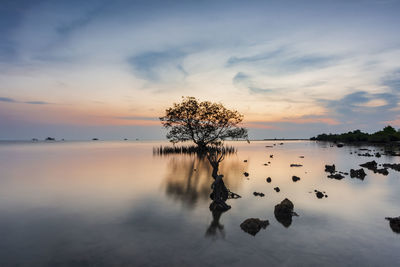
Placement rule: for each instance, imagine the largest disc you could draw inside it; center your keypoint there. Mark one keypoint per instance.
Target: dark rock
(377, 154)
(383, 171)
(277, 189)
(268, 146)
(393, 166)
(371, 165)
(296, 165)
(245, 160)
(360, 173)
(302, 157)
(284, 211)
(394, 224)
(265, 164)
(253, 225)
(35, 139)
(50, 139)
(95, 139)
(259, 194)
(336, 176)
(271, 156)
(269, 179)
(365, 155)
(330, 168)
(295, 178)
(340, 145)
(319, 194)
(246, 174)
(281, 144)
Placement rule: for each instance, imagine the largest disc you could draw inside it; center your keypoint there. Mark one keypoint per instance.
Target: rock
(269, 179)
(268, 146)
(284, 211)
(330, 168)
(340, 145)
(271, 156)
(265, 164)
(50, 139)
(35, 139)
(393, 166)
(253, 225)
(245, 160)
(336, 176)
(125, 139)
(280, 143)
(365, 155)
(394, 224)
(383, 171)
(319, 194)
(360, 173)
(377, 154)
(246, 174)
(296, 165)
(302, 157)
(258, 194)
(371, 165)
(277, 189)
(95, 139)
(295, 178)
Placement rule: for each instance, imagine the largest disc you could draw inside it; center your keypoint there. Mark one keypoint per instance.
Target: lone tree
(204, 123)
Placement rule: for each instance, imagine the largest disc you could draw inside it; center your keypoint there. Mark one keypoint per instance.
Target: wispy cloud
(11, 100)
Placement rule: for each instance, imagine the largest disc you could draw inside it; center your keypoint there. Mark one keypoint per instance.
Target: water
(116, 204)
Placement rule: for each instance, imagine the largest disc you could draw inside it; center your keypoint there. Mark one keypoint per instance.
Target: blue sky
(78, 69)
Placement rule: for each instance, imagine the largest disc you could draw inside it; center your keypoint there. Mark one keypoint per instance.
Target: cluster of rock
(360, 173)
(259, 194)
(296, 165)
(373, 166)
(393, 166)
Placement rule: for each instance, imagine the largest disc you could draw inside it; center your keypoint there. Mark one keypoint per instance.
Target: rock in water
(269, 179)
(258, 194)
(393, 166)
(360, 173)
(371, 165)
(295, 165)
(394, 224)
(253, 225)
(336, 176)
(277, 189)
(295, 178)
(330, 168)
(246, 174)
(284, 211)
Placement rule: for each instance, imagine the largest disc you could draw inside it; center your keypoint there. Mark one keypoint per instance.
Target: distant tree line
(388, 134)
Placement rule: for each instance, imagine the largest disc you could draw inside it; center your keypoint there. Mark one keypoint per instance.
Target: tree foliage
(387, 134)
(204, 123)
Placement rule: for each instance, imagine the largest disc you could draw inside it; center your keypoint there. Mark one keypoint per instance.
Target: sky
(108, 69)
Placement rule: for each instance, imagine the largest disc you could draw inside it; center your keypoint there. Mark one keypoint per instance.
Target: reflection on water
(189, 178)
(115, 204)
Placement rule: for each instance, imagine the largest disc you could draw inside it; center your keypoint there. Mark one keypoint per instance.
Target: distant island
(386, 135)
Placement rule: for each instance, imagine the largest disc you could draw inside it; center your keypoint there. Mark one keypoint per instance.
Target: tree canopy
(204, 123)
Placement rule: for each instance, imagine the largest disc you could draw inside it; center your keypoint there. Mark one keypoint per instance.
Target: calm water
(116, 204)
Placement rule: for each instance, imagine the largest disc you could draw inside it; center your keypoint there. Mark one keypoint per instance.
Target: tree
(204, 123)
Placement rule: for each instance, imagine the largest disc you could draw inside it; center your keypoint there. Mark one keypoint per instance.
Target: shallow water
(117, 204)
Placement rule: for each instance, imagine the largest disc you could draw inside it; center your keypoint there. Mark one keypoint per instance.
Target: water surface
(117, 204)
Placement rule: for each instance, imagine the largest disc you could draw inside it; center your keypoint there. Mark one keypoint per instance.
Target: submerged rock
(394, 224)
(393, 166)
(373, 166)
(330, 168)
(258, 194)
(295, 178)
(253, 225)
(370, 165)
(336, 176)
(269, 179)
(296, 165)
(360, 173)
(284, 211)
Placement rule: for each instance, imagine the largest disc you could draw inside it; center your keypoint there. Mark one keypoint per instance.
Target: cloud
(6, 99)
(138, 118)
(11, 100)
(153, 65)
